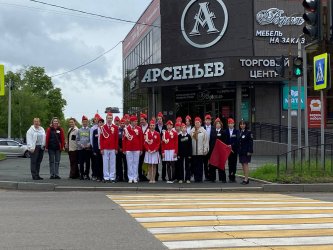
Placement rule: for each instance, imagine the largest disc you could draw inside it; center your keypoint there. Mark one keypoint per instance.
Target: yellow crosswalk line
(188, 220)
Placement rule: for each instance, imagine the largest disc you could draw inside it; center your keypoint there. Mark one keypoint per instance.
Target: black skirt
(244, 158)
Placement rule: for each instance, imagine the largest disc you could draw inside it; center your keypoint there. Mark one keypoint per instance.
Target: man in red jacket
(108, 139)
(133, 147)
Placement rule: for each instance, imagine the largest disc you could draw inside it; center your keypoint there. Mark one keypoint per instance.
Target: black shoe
(81, 177)
(52, 177)
(35, 178)
(87, 178)
(39, 178)
(113, 181)
(245, 182)
(57, 177)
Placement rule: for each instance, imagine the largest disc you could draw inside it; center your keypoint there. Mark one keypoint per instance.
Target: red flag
(220, 155)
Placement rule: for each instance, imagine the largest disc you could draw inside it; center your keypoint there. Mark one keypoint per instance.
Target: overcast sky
(58, 40)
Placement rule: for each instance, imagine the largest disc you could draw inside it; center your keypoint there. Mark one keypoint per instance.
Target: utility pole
(10, 109)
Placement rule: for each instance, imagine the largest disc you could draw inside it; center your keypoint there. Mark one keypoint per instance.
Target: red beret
(208, 117)
(183, 125)
(117, 119)
(97, 116)
(126, 116)
(84, 118)
(109, 114)
(188, 117)
(133, 118)
(152, 122)
(169, 122)
(160, 114)
(197, 119)
(144, 116)
(217, 120)
(100, 119)
(179, 119)
(122, 120)
(178, 124)
(231, 121)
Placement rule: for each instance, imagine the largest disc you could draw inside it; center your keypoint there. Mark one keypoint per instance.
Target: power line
(85, 64)
(94, 14)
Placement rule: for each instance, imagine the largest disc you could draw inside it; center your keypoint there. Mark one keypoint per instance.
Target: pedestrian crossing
(232, 220)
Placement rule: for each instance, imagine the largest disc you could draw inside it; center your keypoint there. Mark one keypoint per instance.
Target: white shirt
(231, 130)
(208, 129)
(144, 127)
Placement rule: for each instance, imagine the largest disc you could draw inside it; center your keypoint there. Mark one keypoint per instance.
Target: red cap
(126, 116)
(109, 114)
(197, 119)
(217, 120)
(183, 125)
(122, 120)
(117, 119)
(133, 118)
(144, 116)
(152, 122)
(84, 118)
(169, 122)
(231, 121)
(100, 119)
(179, 119)
(160, 114)
(178, 124)
(188, 117)
(208, 117)
(97, 116)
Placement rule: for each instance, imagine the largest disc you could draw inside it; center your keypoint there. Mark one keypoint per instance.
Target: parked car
(13, 148)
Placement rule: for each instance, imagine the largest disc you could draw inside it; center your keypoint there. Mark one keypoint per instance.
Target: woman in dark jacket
(55, 143)
(245, 149)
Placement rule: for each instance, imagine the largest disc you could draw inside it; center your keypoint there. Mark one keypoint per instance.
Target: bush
(2, 157)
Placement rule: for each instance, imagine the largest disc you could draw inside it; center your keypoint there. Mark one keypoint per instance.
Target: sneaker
(169, 182)
(57, 177)
(188, 182)
(135, 181)
(129, 181)
(180, 182)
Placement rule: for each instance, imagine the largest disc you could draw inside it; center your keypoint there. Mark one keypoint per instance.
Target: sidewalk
(15, 175)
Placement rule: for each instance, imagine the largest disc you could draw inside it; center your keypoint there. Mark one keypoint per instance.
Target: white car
(13, 148)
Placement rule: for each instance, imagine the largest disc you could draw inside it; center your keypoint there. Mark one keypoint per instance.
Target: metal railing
(279, 133)
(306, 159)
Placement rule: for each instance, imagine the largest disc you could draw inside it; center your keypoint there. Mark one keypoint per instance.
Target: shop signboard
(294, 97)
(314, 112)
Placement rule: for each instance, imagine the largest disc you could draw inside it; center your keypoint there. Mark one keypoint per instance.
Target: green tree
(33, 95)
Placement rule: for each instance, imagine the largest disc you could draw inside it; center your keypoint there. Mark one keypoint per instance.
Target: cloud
(37, 35)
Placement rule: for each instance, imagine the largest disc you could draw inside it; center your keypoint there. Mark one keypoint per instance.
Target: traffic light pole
(305, 82)
(299, 105)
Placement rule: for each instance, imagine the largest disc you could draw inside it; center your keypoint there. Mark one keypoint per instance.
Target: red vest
(132, 139)
(170, 141)
(152, 140)
(108, 138)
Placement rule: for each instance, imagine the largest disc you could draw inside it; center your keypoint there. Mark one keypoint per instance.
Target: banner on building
(314, 112)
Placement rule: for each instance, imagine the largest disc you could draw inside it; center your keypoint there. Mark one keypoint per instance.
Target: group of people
(117, 149)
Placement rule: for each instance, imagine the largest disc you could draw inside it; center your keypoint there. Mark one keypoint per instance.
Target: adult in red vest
(133, 147)
(109, 148)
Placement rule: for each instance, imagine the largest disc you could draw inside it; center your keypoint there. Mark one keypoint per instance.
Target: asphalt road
(71, 220)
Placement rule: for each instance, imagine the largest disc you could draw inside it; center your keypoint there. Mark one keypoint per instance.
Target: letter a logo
(203, 23)
(204, 18)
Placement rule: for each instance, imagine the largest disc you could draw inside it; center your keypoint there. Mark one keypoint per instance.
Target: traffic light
(279, 65)
(312, 18)
(298, 66)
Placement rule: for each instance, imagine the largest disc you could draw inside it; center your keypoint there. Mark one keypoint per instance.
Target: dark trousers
(142, 177)
(171, 169)
(197, 164)
(206, 166)
(97, 167)
(84, 159)
(35, 161)
(182, 160)
(54, 161)
(73, 161)
(212, 173)
(121, 166)
(232, 164)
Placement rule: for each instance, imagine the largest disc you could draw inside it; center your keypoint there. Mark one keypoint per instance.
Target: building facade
(213, 56)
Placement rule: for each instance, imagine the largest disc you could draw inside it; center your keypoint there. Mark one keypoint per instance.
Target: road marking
(233, 221)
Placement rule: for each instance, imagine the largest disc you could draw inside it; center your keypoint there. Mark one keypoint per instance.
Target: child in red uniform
(133, 147)
(152, 140)
(170, 150)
